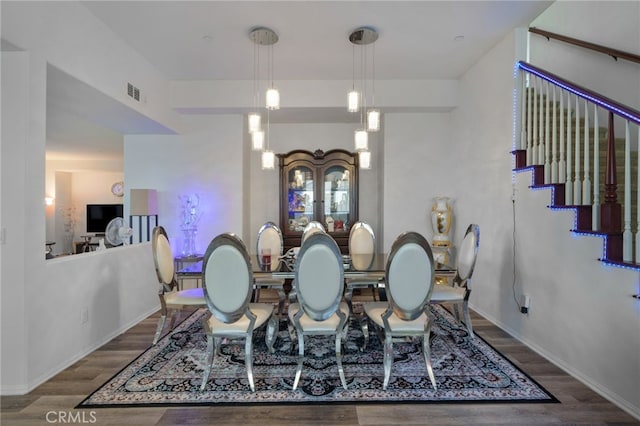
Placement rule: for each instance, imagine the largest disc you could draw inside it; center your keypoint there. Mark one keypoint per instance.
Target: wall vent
(133, 92)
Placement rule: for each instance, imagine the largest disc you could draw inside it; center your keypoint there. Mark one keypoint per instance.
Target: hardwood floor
(53, 401)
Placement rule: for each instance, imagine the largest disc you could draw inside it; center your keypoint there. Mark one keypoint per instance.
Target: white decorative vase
(441, 218)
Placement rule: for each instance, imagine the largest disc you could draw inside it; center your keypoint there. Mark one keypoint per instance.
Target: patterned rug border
(84, 405)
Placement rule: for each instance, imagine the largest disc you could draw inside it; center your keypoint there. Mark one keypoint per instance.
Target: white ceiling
(203, 40)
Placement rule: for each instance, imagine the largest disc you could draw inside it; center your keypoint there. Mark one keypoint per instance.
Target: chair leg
(174, 315)
(292, 336)
(159, 329)
(281, 299)
(211, 350)
(364, 326)
(272, 333)
(388, 359)
(348, 295)
(339, 360)
(426, 350)
(467, 318)
(248, 361)
(300, 359)
(456, 311)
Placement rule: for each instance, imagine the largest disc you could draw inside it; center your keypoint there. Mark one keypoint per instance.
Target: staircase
(532, 156)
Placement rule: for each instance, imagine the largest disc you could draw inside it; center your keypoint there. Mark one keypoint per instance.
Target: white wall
(612, 24)
(420, 159)
(15, 118)
(115, 288)
(206, 160)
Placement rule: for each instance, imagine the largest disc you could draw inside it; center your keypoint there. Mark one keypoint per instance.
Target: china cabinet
(320, 186)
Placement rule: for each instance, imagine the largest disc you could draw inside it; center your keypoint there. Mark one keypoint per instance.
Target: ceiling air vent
(133, 92)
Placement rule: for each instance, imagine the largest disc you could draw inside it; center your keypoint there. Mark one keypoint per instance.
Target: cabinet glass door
(337, 203)
(301, 198)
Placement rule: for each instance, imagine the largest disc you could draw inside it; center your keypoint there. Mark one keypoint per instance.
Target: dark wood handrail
(614, 53)
(615, 107)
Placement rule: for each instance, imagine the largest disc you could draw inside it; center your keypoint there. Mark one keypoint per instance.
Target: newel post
(611, 213)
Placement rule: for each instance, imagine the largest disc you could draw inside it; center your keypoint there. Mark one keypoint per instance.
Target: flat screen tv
(99, 216)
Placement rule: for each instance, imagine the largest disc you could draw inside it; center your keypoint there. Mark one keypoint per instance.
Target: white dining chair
(172, 301)
(409, 283)
(319, 283)
(457, 294)
(362, 246)
(270, 238)
(312, 227)
(228, 284)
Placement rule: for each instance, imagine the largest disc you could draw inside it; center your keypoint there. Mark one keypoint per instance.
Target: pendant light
(272, 96)
(353, 98)
(364, 158)
(373, 115)
(262, 36)
(362, 36)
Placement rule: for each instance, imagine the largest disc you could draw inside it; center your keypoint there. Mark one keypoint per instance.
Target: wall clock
(117, 189)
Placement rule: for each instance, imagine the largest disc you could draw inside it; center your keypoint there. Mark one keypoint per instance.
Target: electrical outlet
(525, 303)
(84, 315)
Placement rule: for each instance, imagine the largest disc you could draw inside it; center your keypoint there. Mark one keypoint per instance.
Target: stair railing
(555, 117)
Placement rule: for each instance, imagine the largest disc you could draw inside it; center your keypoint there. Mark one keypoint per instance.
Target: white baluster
(627, 248)
(534, 149)
(586, 183)
(638, 205)
(554, 140)
(595, 217)
(562, 167)
(523, 103)
(568, 192)
(542, 142)
(529, 123)
(577, 185)
(547, 145)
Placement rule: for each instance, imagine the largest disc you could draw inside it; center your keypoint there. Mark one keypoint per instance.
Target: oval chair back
(163, 258)
(227, 278)
(311, 228)
(468, 253)
(409, 275)
(319, 276)
(362, 240)
(270, 236)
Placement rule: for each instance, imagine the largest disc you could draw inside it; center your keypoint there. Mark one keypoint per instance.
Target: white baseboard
(22, 390)
(587, 381)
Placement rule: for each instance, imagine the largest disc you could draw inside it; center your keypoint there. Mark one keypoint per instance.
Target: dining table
(355, 266)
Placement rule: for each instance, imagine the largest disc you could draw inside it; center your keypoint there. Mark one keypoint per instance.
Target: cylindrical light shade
(361, 140)
(268, 160)
(257, 140)
(254, 122)
(364, 158)
(144, 202)
(273, 99)
(373, 120)
(354, 101)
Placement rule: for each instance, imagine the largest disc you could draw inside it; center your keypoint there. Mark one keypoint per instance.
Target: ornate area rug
(170, 373)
